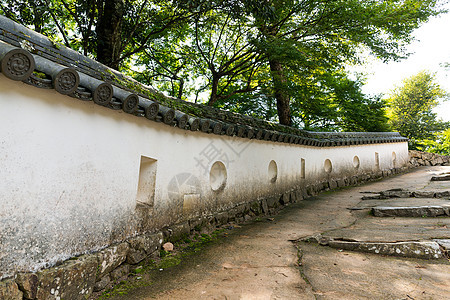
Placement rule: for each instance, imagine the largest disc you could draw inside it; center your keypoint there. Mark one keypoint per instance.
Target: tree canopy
(411, 107)
(278, 60)
(439, 143)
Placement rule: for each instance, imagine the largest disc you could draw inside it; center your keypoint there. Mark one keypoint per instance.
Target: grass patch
(140, 274)
(123, 287)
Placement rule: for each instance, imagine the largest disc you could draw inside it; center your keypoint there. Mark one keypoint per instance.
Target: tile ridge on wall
(36, 60)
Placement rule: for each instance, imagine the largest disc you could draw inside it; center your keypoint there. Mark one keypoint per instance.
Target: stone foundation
(418, 158)
(79, 277)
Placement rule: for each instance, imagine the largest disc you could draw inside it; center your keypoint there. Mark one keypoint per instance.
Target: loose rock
(168, 247)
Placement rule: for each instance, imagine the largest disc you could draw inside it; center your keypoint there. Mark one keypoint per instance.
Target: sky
(431, 49)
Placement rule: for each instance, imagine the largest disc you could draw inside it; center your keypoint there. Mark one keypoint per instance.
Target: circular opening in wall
(328, 166)
(394, 158)
(218, 176)
(356, 162)
(273, 171)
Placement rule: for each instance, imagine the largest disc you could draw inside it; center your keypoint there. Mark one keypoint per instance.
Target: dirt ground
(267, 259)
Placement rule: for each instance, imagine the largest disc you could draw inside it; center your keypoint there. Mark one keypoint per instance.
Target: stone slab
(401, 202)
(373, 229)
(74, 279)
(9, 290)
(424, 250)
(111, 257)
(28, 283)
(441, 178)
(413, 249)
(344, 274)
(411, 211)
(444, 243)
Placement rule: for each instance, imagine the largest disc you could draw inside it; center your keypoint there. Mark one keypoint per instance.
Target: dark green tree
(283, 51)
(296, 32)
(112, 31)
(323, 102)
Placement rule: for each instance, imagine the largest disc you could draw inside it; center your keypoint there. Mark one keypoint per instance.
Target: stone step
(441, 178)
(401, 202)
(411, 211)
(413, 249)
(440, 192)
(424, 250)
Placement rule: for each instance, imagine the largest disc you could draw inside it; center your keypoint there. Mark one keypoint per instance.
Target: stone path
(275, 259)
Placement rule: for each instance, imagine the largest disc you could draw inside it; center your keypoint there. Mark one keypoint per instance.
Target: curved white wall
(70, 172)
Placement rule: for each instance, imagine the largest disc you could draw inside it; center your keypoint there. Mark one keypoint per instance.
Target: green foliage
(411, 107)
(440, 143)
(332, 101)
(321, 101)
(169, 261)
(307, 37)
(312, 40)
(223, 52)
(143, 274)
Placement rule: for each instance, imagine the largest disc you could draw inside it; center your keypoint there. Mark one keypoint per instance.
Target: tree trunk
(109, 32)
(180, 89)
(37, 20)
(214, 87)
(283, 98)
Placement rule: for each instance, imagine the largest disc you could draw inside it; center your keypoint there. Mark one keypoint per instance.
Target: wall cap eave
(45, 64)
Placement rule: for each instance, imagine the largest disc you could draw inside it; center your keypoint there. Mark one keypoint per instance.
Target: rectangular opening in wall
(302, 170)
(147, 179)
(377, 160)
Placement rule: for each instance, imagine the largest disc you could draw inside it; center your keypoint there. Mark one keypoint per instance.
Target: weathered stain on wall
(82, 174)
(73, 174)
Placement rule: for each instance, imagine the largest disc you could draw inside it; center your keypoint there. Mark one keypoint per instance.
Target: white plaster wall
(69, 173)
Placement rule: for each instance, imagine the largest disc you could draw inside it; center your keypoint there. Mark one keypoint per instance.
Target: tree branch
(61, 30)
(136, 24)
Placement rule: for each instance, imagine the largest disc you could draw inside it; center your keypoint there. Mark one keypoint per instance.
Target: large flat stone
(442, 194)
(393, 193)
(441, 178)
(111, 257)
(401, 202)
(143, 246)
(411, 211)
(396, 193)
(415, 249)
(74, 279)
(424, 194)
(436, 189)
(425, 250)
